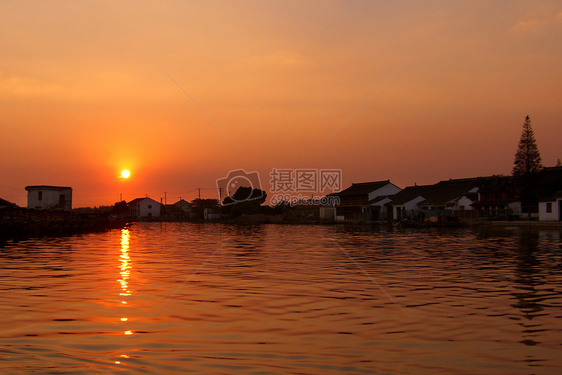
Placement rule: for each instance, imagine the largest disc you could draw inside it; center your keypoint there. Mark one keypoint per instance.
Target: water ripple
(178, 298)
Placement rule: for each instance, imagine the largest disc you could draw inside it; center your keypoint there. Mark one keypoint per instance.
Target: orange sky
(84, 91)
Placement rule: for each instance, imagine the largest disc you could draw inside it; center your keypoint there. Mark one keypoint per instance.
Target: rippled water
(177, 298)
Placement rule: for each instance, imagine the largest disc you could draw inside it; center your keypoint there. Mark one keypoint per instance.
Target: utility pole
(220, 196)
(199, 192)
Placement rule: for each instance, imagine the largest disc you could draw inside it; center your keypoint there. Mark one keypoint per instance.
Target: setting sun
(125, 174)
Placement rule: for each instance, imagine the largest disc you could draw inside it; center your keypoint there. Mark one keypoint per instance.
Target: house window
(149, 206)
(548, 207)
(39, 195)
(62, 200)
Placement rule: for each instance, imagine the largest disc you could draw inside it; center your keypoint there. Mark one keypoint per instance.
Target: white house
(383, 191)
(44, 197)
(355, 201)
(145, 208)
(381, 208)
(551, 210)
(405, 206)
(444, 198)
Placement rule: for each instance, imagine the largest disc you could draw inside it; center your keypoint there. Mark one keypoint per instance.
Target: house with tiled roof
(355, 201)
(47, 197)
(446, 198)
(451, 198)
(380, 207)
(144, 208)
(405, 203)
(497, 198)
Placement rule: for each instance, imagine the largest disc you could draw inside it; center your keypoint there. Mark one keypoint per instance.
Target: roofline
(143, 198)
(33, 187)
(370, 182)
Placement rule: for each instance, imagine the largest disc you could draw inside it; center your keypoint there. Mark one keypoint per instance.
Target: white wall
(50, 198)
(210, 214)
(515, 208)
(147, 207)
(382, 202)
(389, 189)
(410, 207)
(546, 216)
(464, 201)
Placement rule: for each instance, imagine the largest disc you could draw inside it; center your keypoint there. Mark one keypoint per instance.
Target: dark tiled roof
(438, 194)
(362, 188)
(49, 187)
(445, 191)
(409, 193)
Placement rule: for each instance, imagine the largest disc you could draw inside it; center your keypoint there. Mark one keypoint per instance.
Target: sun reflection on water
(125, 266)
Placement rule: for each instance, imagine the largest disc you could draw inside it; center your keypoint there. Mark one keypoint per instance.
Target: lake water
(176, 298)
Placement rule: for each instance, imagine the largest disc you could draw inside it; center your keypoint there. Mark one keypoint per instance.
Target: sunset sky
(88, 89)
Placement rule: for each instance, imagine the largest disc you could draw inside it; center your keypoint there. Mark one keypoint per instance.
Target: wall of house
(408, 208)
(388, 189)
(210, 214)
(515, 208)
(553, 215)
(147, 208)
(464, 202)
(50, 199)
(382, 208)
(327, 213)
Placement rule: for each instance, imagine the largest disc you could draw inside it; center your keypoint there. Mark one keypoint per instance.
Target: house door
(560, 210)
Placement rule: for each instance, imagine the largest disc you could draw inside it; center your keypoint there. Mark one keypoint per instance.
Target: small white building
(355, 201)
(145, 208)
(211, 213)
(551, 210)
(45, 197)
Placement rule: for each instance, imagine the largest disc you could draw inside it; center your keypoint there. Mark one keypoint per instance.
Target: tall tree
(527, 157)
(526, 169)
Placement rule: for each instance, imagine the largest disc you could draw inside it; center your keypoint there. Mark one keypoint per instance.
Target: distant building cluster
(148, 208)
(493, 197)
(469, 198)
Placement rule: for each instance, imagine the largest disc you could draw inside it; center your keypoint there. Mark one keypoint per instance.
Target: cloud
(538, 25)
(532, 26)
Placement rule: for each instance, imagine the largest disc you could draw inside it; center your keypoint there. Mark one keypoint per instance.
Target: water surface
(175, 298)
